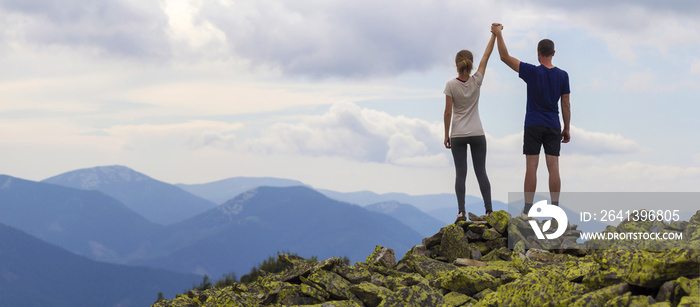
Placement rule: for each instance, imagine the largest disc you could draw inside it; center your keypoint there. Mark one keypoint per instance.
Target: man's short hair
(546, 47)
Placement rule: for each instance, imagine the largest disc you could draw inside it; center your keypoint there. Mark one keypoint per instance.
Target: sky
(342, 95)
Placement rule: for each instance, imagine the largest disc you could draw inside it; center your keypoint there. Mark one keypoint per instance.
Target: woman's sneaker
(461, 217)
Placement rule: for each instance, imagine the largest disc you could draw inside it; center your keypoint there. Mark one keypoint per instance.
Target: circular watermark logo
(542, 209)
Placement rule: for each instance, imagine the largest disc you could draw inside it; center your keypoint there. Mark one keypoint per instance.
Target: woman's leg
(478, 149)
(459, 154)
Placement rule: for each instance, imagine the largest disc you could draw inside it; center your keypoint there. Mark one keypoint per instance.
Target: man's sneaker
(461, 217)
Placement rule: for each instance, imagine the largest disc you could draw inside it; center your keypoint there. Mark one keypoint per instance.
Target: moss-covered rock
(518, 231)
(427, 267)
(476, 227)
(651, 269)
(689, 301)
(502, 253)
(421, 250)
(354, 274)
(454, 244)
(498, 220)
(337, 304)
(598, 297)
(480, 246)
(369, 293)
(398, 281)
(433, 240)
(228, 296)
(491, 234)
(538, 288)
(468, 262)
(643, 268)
(314, 292)
(414, 296)
(382, 256)
(457, 299)
(692, 230)
(467, 280)
(628, 299)
(508, 274)
(337, 286)
(576, 268)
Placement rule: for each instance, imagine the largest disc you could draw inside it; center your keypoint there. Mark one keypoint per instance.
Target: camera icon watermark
(542, 209)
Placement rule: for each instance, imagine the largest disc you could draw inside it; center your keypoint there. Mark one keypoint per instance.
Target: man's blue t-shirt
(544, 88)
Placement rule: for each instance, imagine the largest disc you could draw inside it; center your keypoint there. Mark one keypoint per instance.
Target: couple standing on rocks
(546, 86)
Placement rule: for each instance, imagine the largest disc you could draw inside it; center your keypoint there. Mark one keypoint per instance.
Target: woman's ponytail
(464, 61)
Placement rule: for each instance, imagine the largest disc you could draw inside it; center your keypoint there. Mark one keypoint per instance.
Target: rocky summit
(471, 264)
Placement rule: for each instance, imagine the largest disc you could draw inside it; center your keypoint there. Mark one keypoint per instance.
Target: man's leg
(531, 162)
(554, 178)
(552, 148)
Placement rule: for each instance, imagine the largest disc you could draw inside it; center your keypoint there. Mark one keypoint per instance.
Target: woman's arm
(448, 120)
(487, 54)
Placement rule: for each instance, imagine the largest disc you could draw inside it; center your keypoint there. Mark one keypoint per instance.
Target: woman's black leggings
(459, 153)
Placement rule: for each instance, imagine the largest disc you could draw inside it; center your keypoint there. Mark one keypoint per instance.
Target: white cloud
(629, 26)
(348, 38)
(600, 175)
(695, 67)
(187, 136)
(646, 83)
(585, 142)
(360, 134)
(223, 97)
(696, 158)
(363, 134)
(123, 28)
(637, 82)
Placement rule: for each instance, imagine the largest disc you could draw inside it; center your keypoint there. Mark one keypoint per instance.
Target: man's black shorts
(537, 136)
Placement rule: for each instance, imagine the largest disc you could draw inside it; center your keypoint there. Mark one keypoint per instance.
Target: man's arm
(566, 115)
(448, 120)
(512, 62)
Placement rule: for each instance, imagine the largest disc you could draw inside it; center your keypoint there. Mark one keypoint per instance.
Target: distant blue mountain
(226, 189)
(420, 221)
(35, 273)
(242, 232)
(157, 201)
(442, 207)
(425, 203)
(88, 223)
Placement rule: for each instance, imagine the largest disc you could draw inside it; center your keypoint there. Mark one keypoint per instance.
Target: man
(546, 86)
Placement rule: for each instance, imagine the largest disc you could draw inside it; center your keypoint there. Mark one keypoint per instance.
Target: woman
(462, 110)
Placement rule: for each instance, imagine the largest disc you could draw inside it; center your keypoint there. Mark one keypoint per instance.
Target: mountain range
(223, 190)
(263, 221)
(85, 212)
(35, 273)
(159, 202)
(409, 215)
(88, 223)
(442, 207)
